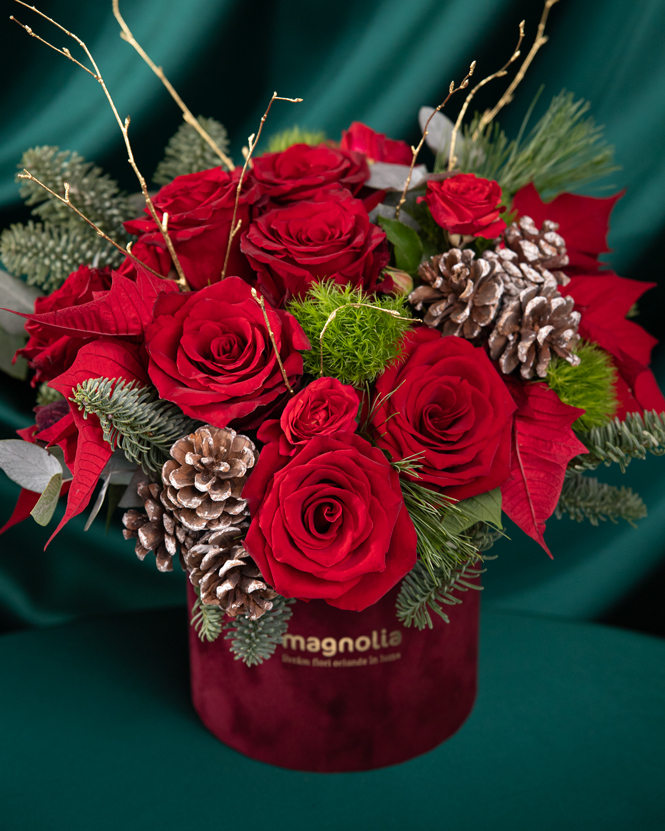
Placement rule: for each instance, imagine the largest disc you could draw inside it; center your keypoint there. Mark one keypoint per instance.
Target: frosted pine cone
(460, 293)
(532, 326)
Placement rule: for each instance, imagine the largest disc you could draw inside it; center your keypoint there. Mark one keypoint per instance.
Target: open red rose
(51, 351)
(445, 403)
(301, 171)
(329, 523)
(200, 208)
(323, 408)
(466, 204)
(329, 236)
(376, 146)
(211, 354)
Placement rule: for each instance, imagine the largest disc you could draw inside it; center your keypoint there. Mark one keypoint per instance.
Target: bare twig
(507, 97)
(333, 314)
(67, 201)
(452, 159)
(124, 126)
(127, 36)
(252, 141)
(416, 150)
(259, 299)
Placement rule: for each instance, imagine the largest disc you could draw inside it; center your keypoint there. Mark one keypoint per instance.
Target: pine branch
(188, 152)
(47, 254)
(621, 441)
(134, 419)
(254, 641)
(583, 497)
(207, 620)
(483, 536)
(423, 591)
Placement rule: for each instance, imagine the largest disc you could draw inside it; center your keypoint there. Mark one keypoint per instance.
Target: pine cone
(531, 326)
(204, 479)
(226, 577)
(461, 294)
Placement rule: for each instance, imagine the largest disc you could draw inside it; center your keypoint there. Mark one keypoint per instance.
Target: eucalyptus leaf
(483, 508)
(439, 131)
(43, 511)
(9, 343)
(15, 295)
(388, 176)
(29, 465)
(408, 248)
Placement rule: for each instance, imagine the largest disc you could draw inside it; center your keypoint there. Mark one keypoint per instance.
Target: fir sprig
(360, 340)
(134, 419)
(583, 497)
(423, 591)
(206, 619)
(620, 441)
(187, 152)
(254, 641)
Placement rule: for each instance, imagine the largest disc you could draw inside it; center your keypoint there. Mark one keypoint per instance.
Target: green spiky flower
(295, 135)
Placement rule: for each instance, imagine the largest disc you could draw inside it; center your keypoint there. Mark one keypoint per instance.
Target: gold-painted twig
(67, 201)
(124, 126)
(127, 36)
(416, 150)
(259, 299)
(333, 314)
(252, 141)
(489, 115)
(452, 159)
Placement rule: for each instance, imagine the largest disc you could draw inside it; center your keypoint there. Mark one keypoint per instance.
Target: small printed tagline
(337, 663)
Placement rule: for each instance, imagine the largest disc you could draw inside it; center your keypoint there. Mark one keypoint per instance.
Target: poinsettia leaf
(43, 511)
(543, 444)
(406, 242)
(17, 296)
(29, 465)
(486, 507)
(24, 504)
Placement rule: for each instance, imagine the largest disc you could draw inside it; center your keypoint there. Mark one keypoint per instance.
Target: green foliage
(295, 135)
(484, 508)
(484, 536)
(47, 395)
(9, 344)
(620, 441)
(564, 151)
(423, 590)
(406, 243)
(47, 254)
(43, 511)
(589, 386)
(254, 641)
(583, 497)
(360, 341)
(207, 620)
(188, 152)
(134, 419)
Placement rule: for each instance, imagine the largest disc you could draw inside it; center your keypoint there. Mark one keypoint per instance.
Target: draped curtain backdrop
(375, 61)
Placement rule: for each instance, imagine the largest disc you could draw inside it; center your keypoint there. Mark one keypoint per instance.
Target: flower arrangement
(330, 371)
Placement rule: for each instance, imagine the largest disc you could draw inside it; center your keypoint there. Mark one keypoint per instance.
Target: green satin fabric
(376, 62)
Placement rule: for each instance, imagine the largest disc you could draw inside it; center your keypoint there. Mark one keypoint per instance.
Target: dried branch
(452, 158)
(67, 201)
(124, 126)
(127, 36)
(489, 115)
(252, 141)
(416, 150)
(262, 304)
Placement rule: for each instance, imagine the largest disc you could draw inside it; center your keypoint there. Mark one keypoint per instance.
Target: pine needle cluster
(423, 591)
(362, 338)
(208, 621)
(187, 152)
(620, 441)
(254, 641)
(583, 497)
(134, 419)
(590, 385)
(294, 135)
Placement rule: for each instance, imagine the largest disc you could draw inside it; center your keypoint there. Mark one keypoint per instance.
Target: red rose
(330, 522)
(375, 146)
(49, 351)
(211, 354)
(329, 236)
(449, 407)
(466, 204)
(200, 209)
(324, 407)
(301, 171)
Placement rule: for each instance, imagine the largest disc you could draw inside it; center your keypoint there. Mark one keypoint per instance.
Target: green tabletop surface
(98, 733)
